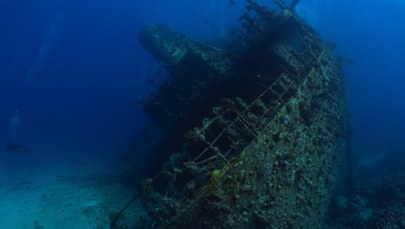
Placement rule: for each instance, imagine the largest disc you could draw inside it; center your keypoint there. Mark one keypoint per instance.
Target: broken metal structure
(254, 132)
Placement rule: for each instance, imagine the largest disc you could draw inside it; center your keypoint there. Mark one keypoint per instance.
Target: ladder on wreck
(248, 120)
(236, 124)
(222, 138)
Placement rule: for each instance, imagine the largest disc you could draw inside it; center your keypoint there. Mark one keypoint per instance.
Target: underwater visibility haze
(211, 113)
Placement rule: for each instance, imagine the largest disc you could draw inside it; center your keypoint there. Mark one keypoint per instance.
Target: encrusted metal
(254, 132)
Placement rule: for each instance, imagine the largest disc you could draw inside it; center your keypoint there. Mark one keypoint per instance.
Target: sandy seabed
(62, 196)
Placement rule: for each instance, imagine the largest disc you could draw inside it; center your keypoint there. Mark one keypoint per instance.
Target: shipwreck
(254, 131)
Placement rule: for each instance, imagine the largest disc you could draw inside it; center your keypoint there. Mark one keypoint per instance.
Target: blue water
(75, 69)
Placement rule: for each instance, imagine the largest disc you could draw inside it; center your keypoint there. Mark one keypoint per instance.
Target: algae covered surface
(273, 116)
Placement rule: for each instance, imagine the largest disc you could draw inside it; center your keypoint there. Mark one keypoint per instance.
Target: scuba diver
(15, 123)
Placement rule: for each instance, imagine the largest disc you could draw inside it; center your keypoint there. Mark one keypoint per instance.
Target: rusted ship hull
(258, 131)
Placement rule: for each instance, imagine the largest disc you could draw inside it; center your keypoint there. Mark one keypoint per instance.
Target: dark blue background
(88, 67)
(371, 33)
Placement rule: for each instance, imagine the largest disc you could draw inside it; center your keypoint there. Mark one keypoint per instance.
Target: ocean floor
(83, 195)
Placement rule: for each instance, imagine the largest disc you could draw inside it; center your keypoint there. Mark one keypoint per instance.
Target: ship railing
(245, 121)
